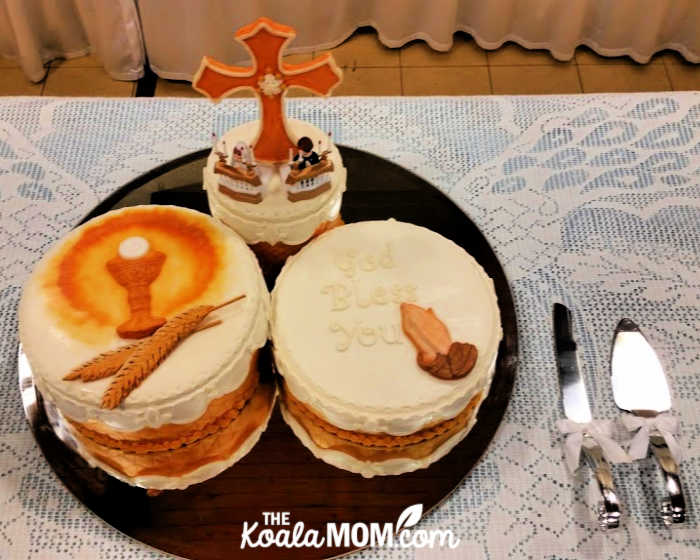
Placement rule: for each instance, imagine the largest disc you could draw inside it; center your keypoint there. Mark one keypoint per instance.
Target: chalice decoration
(136, 267)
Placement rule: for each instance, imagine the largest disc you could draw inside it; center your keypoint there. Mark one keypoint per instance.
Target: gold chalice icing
(126, 273)
(136, 267)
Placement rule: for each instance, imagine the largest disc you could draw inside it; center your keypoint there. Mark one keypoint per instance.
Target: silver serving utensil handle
(609, 507)
(672, 507)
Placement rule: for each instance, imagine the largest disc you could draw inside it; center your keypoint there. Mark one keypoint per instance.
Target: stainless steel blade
(577, 408)
(638, 381)
(573, 390)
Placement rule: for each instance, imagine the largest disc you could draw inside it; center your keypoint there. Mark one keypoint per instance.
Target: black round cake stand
(205, 521)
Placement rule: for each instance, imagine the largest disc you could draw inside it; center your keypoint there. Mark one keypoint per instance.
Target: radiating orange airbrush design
(86, 296)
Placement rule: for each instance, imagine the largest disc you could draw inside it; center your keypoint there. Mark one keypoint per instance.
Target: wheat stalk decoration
(108, 363)
(103, 365)
(133, 363)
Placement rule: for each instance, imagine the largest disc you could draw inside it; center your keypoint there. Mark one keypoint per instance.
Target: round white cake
(274, 216)
(344, 312)
(75, 303)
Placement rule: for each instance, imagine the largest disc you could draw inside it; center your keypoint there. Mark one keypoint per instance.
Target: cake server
(577, 409)
(640, 388)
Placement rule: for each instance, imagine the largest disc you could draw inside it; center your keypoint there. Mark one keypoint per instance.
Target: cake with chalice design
(277, 182)
(385, 336)
(142, 328)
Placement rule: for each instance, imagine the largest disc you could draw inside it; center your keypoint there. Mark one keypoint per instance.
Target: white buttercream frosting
(276, 218)
(336, 325)
(206, 365)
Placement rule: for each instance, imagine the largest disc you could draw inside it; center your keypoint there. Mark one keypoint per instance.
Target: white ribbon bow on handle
(600, 431)
(665, 424)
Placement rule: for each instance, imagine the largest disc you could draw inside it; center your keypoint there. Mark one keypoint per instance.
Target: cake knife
(577, 409)
(640, 388)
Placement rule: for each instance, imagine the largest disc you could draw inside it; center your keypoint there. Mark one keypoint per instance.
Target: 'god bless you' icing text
(358, 291)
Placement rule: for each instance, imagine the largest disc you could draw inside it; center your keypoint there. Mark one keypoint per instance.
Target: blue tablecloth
(592, 200)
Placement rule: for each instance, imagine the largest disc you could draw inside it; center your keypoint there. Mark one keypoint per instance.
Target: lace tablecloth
(589, 200)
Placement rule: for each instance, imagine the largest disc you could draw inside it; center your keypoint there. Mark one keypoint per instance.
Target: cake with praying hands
(142, 328)
(396, 350)
(277, 182)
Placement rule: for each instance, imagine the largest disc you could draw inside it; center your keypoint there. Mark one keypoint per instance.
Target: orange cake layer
(377, 447)
(220, 412)
(177, 462)
(278, 253)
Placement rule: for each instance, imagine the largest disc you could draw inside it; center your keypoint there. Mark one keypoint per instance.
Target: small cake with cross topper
(387, 370)
(142, 328)
(278, 182)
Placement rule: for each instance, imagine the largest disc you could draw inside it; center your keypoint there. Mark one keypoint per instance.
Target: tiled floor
(372, 69)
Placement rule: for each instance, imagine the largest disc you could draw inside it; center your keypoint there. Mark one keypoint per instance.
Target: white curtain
(36, 31)
(178, 33)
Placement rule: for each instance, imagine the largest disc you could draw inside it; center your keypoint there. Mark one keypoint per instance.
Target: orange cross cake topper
(269, 77)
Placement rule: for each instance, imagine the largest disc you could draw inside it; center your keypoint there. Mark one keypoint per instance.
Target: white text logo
(278, 530)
